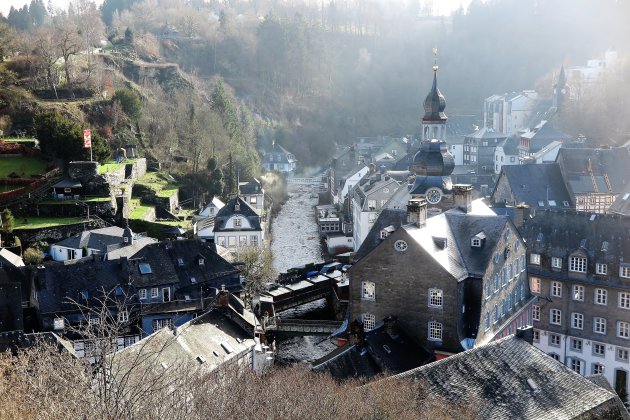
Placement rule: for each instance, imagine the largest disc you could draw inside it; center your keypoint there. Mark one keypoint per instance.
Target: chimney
(462, 195)
(372, 168)
(417, 211)
(526, 333)
(357, 333)
(224, 297)
(41, 276)
(521, 214)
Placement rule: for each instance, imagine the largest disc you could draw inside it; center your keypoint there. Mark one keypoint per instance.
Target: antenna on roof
(435, 66)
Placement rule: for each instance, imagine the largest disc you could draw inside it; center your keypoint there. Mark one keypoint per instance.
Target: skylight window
(227, 347)
(565, 203)
(180, 261)
(145, 268)
(625, 197)
(541, 204)
(193, 280)
(552, 203)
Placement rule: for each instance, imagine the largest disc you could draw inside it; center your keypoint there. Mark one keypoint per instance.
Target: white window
(555, 356)
(371, 204)
(536, 335)
(154, 292)
(142, 293)
(556, 262)
(556, 289)
(369, 320)
(623, 329)
(576, 344)
(495, 314)
(536, 312)
(601, 296)
(555, 316)
(599, 349)
(522, 262)
(253, 240)
(368, 290)
(231, 241)
(599, 325)
(598, 369)
(624, 271)
(160, 323)
(487, 320)
(534, 284)
(475, 242)
(577, 264)
(624, 300)
(534, 259)
(577, 321)
(123, 316)
(237, 222)
(578, 292)
(554, 340)
(252, 199)
(601, 269)
(435, 331)
(622, 354)
(576, 365)
(435, 298)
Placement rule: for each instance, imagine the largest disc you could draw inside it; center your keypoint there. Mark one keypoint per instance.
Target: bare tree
(256, 265)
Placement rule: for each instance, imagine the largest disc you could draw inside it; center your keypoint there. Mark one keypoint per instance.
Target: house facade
(454, 281)
(509, 113)
(506, 153)
(279, 159)
(479, 149)
(579, 270)
(238, 225)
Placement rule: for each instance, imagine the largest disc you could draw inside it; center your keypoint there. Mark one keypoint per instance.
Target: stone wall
(116, 177)
(139, 168)
(83, 171)
(71, 209)
(55, 234)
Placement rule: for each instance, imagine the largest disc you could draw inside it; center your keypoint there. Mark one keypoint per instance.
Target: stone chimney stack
(417, 211)
(462, 196)
(521, 214)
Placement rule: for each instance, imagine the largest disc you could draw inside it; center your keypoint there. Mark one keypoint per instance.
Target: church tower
(434, 119)
(560, 90)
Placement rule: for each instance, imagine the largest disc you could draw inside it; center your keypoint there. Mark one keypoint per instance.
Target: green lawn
(23, 166)
(159, 183)
(111, 165)
(18, 140)
(138, 210)
(45, 222)
(5, 188)
(74, 203)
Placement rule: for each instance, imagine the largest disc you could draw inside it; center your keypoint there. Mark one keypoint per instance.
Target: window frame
(600, 321)
(577, 345)
(555, 316)
(534, 259)
(556, 262)
(601, 269)
(535, 284)
(626, 329)
(578, 288)
(624, 271)
(578, 264)
(600, 346)
(142, 294)
(435, 327)
(556, 289)
(369, 321)
(577, 321)
(600, 297)
(154, 292)
(438, 294)
(623, 297)
(364, 292)
(535, 312)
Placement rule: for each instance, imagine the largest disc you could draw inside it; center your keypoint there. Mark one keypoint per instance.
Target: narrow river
(295, 238)
(295, 242)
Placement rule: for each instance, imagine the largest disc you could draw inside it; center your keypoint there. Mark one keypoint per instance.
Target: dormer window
(202, 261)
(577, 264)
(125, 239)
(384, 234)
(237, 222)
(475, 243)
(237, 206)
(180, 262)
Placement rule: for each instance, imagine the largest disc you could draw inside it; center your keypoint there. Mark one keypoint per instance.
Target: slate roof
(164, 260)
(558, 233)
(278, 151)
(373, 182)
(459, 258)
(67, 183)
(510, 145)
(534, 183)
(543, 134)
(229, 210)
(612, 163)
(388, 217)
(11, 317)
(381, 352)
(203, 343)
(486, 133)
(621, 204)
(511, 379)
(251, 187)
(95, 239)
(8, 257)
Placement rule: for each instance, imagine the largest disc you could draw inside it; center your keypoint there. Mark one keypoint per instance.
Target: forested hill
(317, 74)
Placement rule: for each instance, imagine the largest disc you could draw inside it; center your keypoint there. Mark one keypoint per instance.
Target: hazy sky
(442, 6)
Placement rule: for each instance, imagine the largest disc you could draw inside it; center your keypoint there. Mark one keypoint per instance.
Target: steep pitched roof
(510, 378)
(510, 145)
(177, 262)
(251, 187)
(559, 233)
(8, 257)
(237, 206)
(486, 133)
(447, 238)
(607, 167)
(388, 217)
(535, 184)
(622, 203)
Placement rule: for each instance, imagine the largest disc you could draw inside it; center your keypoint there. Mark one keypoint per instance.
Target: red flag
(87, 138)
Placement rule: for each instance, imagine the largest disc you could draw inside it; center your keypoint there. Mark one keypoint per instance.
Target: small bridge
(301, 327)
(304, 181)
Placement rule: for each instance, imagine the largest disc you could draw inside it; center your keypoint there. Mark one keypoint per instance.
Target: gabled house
(279, 159)
(539, 137)
(67, 189)
(480, 147)
(579, 269)
(369, 198)
(506, 153)
(595, 177)
(454, 281)
(510, 112)
(110, 243)
(212, 208)
(253, 193)
(537, 186)
(238, 225)
(203, 223)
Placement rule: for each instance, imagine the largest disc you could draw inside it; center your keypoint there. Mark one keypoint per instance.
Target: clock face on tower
(433, 195)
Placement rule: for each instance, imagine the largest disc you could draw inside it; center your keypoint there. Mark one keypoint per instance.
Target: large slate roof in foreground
(511, 379)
